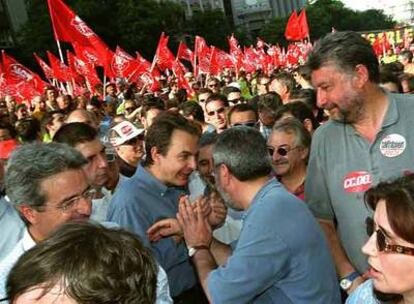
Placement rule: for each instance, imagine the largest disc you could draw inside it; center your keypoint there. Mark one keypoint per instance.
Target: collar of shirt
(150, 181)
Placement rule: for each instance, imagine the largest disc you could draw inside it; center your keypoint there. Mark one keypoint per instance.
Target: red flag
(303, 24)
(123, 64)
(83, 68)
(251, 60)
(70, 28)
(87, 54)
(219, 60)
(60, 70)
(293, 31)
(16, 73)
(185, 53)
(164, 57)
(47, 70)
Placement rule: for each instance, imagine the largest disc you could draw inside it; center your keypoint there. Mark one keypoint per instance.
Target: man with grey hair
(367, 140)
(47, 185)
(289, 145)
(275, 260)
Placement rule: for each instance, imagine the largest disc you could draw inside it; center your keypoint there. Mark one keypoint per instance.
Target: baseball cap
(7, 147)
(123, 132)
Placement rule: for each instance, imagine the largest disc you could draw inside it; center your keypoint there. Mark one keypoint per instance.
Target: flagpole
(55, 33)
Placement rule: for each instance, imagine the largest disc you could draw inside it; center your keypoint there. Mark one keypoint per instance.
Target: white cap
(234, 85)
(123, 132)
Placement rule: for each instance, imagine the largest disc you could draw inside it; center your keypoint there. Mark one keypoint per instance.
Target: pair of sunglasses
(382, 244)
(282, 151)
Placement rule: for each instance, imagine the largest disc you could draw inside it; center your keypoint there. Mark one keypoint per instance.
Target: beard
(352, 111)
(225, 196)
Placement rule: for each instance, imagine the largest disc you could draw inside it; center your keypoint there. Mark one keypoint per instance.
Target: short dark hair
(345, 50)
(220, 97)
(245, 161)
(299, 110)
(152, 103)
(241, 107)
(406, 55)
(160, 132)
(207, 139)
(75, 133)
(192, 108)
(96, 265)
(388, 77)
(269, 102)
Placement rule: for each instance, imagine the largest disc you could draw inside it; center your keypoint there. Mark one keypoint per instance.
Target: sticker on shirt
(358, 181)
(393, 145)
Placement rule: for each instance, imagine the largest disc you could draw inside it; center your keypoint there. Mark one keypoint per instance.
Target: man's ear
(155, 154)
(361, 76)
(28, 213)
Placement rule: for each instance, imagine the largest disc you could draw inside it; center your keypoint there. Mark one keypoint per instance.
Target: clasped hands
(194, 221)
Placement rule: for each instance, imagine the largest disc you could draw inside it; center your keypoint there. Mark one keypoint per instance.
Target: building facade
(401, 10)
(13, 15)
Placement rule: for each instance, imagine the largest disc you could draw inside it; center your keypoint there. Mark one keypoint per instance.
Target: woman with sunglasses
(390, 248)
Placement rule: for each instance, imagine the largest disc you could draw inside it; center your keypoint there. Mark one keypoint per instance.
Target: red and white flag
(47, 70)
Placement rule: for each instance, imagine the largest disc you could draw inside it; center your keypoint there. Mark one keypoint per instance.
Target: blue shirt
(11, 226)
(364, 294)
(280, 257)
(140, 202)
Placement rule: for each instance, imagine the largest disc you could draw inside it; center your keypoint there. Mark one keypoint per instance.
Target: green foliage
(325, 14)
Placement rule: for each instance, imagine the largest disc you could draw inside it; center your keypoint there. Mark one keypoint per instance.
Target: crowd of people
(290, 187)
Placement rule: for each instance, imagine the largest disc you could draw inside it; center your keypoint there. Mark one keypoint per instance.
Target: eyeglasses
(218, 111)
(252, 124)
(282, 151)
(213, 85)
(382, 244)
(69, 204)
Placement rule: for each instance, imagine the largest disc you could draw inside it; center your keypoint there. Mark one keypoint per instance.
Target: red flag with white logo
(47, 70)
(60, 70)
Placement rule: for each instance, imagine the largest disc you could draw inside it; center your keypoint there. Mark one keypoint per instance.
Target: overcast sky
(361, 4)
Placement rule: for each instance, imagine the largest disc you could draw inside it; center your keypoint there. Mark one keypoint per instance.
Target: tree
(325, 14)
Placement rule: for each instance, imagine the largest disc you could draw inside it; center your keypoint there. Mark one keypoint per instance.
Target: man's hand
(165, 228)
(218, 213)
(197, 231)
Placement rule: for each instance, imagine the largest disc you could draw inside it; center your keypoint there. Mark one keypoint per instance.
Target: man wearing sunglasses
(288, 146)
(214, 85)
(128, 142)
(216, 111)
(368, 139)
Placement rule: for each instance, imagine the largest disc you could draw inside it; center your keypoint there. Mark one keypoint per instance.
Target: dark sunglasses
(282, 151)
(237, 100)
(213, 85)
(382, 245)
(251, 124)
(218, 111)
(129, 110)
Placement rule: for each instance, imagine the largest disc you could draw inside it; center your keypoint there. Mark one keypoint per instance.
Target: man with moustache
(367, 140)
(288, 146)
(275, 260)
